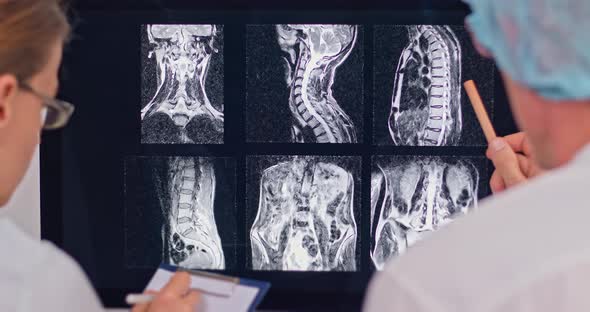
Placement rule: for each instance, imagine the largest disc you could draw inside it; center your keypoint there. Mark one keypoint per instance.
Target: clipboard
(219, 292)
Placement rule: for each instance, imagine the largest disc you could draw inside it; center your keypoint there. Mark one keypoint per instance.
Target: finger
(506, 162)
(193, 298)
(519, 143)
(140, 307)
(525, 165)
(497, 183)
(178, 284)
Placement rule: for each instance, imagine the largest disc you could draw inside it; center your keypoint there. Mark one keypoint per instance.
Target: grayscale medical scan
(306, 213)
(182, 194)
(317, 90)
(412, 196)
(419, 97)
(182, 84)
(301, 147)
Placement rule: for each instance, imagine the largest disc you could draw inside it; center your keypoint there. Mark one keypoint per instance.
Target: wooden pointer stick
(480, 110)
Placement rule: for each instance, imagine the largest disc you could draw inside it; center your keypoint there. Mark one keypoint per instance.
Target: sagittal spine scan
(305, 218)
(182, 54)
(411, 197)
(426, 104)
(313, 53)
(193, 238)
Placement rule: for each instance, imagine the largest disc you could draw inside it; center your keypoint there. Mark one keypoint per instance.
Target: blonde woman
(34, 275)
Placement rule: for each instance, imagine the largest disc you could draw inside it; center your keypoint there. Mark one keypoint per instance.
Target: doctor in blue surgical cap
(527, 247)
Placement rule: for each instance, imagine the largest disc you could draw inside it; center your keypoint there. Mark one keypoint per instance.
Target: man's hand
(176, 296)
(512, 156)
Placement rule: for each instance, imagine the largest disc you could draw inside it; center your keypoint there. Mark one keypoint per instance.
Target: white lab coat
(36, 276)
(526, 249)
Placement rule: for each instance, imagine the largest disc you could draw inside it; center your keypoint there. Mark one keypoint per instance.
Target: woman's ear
(8, 91)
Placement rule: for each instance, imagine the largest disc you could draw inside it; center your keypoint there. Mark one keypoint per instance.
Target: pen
(480, 110)
(138, 298)
(133, 299)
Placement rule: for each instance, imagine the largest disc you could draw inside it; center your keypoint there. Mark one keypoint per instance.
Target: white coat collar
(583, 156)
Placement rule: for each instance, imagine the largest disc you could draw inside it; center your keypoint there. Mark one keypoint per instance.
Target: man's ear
(8, 91)
(478, 46)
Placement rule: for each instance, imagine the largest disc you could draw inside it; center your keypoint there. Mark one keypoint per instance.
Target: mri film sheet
(303, 213)
(412, 196)
(182, 84)
(418, 95)
(181, 211)
(304, 83)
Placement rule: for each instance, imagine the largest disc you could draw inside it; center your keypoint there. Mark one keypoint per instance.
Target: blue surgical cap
(543, 44)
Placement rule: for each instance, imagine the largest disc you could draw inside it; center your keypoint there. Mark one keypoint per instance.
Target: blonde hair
(28, 28)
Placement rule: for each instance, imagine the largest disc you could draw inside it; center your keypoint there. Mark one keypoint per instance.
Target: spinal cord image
(313, 53)
(426, 102)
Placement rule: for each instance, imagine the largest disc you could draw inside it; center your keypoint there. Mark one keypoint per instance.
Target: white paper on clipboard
(217, 295)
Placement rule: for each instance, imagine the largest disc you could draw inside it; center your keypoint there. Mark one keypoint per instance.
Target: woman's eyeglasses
(56, 112)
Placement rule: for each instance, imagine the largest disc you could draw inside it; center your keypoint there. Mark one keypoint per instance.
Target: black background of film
(82, 191)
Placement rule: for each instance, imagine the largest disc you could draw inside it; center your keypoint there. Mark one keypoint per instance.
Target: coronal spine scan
(193, 239)
(426, 103)
(305, 218)
(414, 196)
(182, 56)
(312, 55)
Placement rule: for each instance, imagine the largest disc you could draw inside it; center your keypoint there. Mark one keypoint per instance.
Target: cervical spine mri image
(180, 65)
(318, 62)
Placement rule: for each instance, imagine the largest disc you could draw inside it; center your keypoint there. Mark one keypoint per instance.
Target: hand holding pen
(512, 155)
(176, 296)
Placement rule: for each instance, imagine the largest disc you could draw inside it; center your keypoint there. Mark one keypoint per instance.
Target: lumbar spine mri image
(312, 56)
(305, 218)
(411, 197)
(426, 102)
(182, 56)
(193, 238)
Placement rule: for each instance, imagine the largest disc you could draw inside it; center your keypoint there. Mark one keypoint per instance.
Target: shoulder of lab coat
(37, 276)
